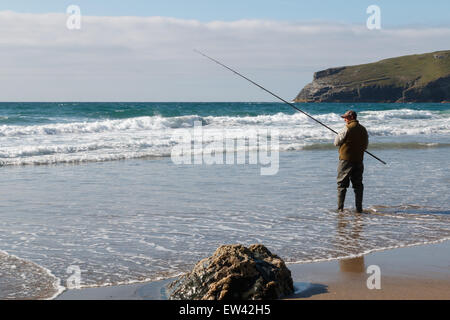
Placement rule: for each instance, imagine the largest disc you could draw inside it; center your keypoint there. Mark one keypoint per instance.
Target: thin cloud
(121, 51)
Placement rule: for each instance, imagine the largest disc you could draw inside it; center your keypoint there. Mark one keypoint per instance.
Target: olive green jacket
(352, 142)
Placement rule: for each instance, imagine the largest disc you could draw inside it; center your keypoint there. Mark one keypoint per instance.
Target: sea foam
(153, 136)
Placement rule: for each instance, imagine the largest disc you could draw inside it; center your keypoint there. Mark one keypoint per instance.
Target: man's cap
(349, 114)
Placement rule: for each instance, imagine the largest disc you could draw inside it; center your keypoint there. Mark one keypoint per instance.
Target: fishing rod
(278, 97)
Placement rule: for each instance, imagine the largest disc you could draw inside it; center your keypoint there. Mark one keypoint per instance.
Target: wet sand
(139, 291)
(417, 272)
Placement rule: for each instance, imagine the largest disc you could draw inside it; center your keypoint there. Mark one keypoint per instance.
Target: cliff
(414, 78)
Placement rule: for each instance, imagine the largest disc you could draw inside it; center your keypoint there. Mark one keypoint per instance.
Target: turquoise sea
(92, 187)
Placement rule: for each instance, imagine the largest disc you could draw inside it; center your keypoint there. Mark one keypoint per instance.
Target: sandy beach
(417, 272)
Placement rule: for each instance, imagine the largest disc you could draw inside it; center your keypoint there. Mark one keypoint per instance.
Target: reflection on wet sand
(348, 235)
(355, 265)
(349, 228)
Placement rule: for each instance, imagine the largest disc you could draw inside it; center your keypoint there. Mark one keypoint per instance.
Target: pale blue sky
(278, 43)
(395, 12)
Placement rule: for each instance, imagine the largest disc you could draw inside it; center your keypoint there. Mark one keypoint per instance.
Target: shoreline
(419, 272)
(414, 272)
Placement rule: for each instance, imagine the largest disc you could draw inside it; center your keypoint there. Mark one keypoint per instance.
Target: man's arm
(340, 138)
(366, 142)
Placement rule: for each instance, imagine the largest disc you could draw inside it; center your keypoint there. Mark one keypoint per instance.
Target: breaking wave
(155, 136)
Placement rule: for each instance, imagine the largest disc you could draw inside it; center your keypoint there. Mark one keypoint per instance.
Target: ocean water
(92, 186)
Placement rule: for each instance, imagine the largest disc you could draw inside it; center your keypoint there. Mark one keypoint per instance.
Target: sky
(143, 50)
(396, 12)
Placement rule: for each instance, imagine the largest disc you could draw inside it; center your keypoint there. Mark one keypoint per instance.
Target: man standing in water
(352, 142)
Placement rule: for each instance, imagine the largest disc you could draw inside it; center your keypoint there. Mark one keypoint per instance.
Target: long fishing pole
(278, 97)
